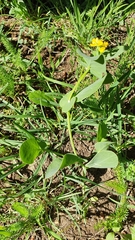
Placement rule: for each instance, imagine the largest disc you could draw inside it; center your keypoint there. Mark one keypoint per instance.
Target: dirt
(100, 205)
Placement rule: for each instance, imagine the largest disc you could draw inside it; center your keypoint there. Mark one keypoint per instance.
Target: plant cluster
(40, 110)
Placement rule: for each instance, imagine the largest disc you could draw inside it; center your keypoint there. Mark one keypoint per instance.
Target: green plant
(14, 58)
(7, 79)
(111, 236)
(108, 158)
(130, 172)
(116, 219)
(25, 219)
(52, 104)
(93, 17)
(114, 222)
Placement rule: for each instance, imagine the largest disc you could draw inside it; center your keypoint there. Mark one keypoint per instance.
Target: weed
(40, 181)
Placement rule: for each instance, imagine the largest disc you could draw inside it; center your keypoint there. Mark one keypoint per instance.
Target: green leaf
(36, 211)
(20, 208)
(85, 59)
(103, 159)
(70, 159)
(53, 167)
(2, 89)
(29, 151)
(116, 229)
(53, 234)
(97, 64)
(91, 89)
(2, 228)
(66, 103)
(16, 227)
(59, 163)
(98, 67)
(102, 131)
(110, 236)
(115, 52)
(100, 146)
(42, 98)
(62, 83)
(5, 234)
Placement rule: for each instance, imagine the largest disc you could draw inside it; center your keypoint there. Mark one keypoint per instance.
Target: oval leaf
(53, 167)
(100, 146)
(99, 64)
(66, 103)
(29, 151)
(110, 236)
(70, 159)
(58, 164)
(103, 159)
(91, 89)
(20, 208)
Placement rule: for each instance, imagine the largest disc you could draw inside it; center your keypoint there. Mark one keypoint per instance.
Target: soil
(100, 205)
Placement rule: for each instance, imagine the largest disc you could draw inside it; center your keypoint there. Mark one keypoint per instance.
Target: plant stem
(78, 82)
(70, 132)
(119, 117)
(68, 113)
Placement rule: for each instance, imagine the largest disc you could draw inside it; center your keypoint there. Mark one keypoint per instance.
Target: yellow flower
(105, 44)
(101, 49)
(102, 45)
(96, 42)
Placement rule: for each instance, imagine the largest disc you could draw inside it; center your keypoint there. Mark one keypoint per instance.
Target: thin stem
(68, 113)
(70, 132)
(119, 117)
(78, 82)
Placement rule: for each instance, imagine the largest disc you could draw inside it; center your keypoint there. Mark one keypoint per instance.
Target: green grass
(53, 88)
